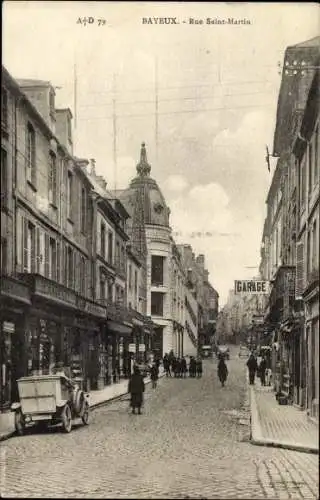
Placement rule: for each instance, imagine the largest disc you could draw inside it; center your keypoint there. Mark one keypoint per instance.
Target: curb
(257, 439)
(11, 434)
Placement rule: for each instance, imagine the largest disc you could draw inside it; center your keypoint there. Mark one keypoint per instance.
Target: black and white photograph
(159, 311)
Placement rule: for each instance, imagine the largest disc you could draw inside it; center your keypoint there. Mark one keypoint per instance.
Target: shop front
(15, 302)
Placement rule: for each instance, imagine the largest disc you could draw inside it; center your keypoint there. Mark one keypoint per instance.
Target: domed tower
(150, 235)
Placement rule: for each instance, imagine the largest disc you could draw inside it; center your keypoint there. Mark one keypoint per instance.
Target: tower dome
(145, 192)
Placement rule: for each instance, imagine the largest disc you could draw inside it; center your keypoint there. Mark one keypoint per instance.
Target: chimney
(200, 260)
(64, 128)
(101, 181)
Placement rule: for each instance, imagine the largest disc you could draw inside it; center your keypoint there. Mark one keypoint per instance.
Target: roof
(299, 65)
(27, 82)
(313, 42)
(145, 192)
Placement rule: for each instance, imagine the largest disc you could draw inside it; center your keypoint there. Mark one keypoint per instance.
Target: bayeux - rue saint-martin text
(195, 21)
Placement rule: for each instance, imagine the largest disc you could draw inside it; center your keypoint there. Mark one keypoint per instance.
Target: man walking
(252, 367)
(262, 371)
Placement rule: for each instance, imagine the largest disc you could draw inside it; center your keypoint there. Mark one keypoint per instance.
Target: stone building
(52, 247)
(297, 179)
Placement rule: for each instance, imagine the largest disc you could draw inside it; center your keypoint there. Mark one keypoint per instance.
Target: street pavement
(192, 441)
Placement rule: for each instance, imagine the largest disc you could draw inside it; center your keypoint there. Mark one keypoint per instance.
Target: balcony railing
(117, 311)
(13, 288)
(55, 292)
(312, 281)
(44, 287)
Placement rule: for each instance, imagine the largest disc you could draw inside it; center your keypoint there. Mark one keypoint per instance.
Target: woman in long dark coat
(136, 390)
(222, 371)
(199, 367)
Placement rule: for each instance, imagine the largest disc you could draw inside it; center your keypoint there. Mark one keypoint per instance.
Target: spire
(143, 167)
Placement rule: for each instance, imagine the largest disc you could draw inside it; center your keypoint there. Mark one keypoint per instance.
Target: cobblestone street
(190, 442)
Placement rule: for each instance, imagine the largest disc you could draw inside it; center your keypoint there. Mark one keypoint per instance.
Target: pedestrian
(199, 367)
(222, 371)
(136, 389)
(154, 375)
(175, 366)
(166, 365)
(252, 367)
(184, 367)
(192, 367)
(262, 371)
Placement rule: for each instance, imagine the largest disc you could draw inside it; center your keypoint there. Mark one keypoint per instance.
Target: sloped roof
(27, 82)
(313, 42)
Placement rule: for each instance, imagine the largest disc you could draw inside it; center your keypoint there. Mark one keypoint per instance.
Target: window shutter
(76, 272)
(25, 250)
(58, 261)
(299, 269)
(65, 265)
(46, 255)
(38, 250)
(74, 200)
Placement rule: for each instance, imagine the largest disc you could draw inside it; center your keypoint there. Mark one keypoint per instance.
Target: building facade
(292, 311)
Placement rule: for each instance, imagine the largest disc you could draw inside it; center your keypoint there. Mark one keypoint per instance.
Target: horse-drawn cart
(49, 400)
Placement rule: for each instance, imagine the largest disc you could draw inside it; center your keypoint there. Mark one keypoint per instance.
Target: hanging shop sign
(142, 348)
(132, 347)
(252, 287)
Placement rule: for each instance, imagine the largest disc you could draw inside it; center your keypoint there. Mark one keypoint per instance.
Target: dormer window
(51, 103)
(69, 129)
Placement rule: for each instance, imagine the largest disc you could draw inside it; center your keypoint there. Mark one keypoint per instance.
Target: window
(70, 267)
(130, 276)
(310, 167)
(82, 276)
(52, 259)
(51, 102)
(110, 292)
(4, 178)
(30, 250)
(4, 255)
(102, 287)
(103, 240)
(110, 247)
(117, 293)
(308, 252)
(4, 107)
(122, 259)
(52, 179)
(69, 195)
(157, 270)
(314, 246)
(69, 129)
(157, 304)
(316, 157)
(83, 212)
(302, 181)
(117, 254)
(31, 154)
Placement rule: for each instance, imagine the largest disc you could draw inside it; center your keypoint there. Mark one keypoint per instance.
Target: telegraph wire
(175, 99)
(207, 110)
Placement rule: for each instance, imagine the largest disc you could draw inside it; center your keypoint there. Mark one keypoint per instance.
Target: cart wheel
(66, 418)
(19, 423)
(85, 414)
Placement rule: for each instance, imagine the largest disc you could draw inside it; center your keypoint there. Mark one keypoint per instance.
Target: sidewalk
(97, 398)
(281, 426)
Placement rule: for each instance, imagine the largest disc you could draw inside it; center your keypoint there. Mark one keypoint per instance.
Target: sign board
(142, 347)
(132, 347)
(257, 319)
(252, 287)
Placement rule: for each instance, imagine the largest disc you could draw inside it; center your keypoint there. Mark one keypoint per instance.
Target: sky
(217, 88)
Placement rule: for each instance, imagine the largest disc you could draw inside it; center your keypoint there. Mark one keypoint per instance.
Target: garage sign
(252, 287)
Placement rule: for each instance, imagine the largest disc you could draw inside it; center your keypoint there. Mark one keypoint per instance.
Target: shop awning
(120, 328)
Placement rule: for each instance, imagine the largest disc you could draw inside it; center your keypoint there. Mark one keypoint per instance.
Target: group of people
(179, 368)
(261, 369)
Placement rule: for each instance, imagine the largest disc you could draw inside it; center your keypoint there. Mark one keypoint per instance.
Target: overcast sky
(218, 89)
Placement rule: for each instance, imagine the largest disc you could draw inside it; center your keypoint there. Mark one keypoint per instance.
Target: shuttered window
(4, 179)
(58, 262)
(52, 179)
(31, 154)
(299, 269)
(47, 256)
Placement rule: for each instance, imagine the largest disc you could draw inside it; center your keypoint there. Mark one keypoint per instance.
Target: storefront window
(6, 362)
